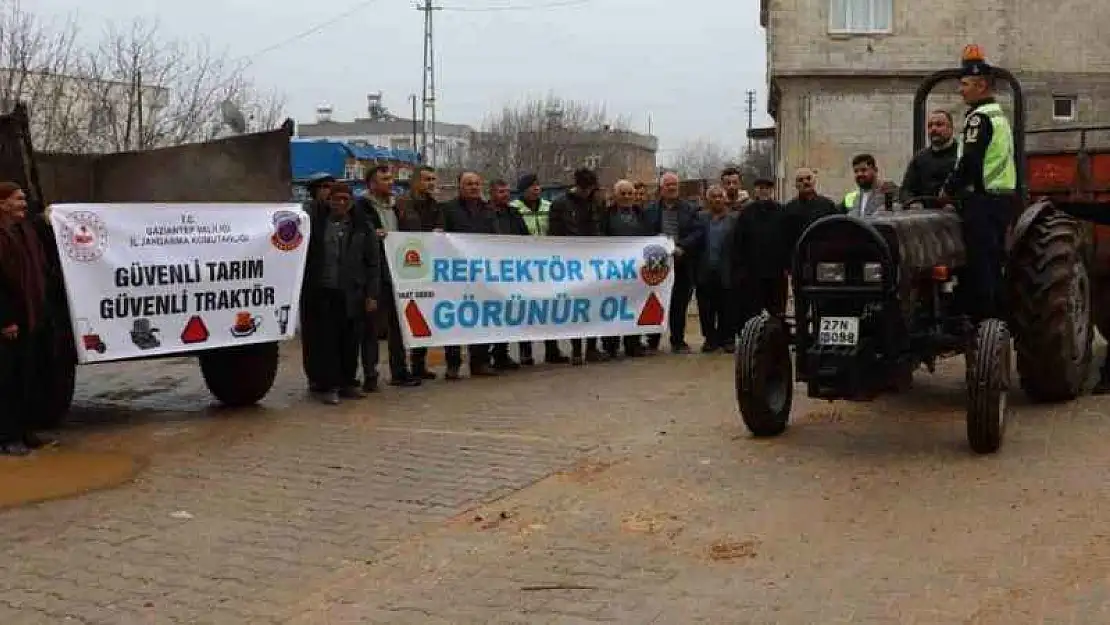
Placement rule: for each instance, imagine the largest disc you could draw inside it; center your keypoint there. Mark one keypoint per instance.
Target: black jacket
(575, 216)
(760, 241)
(800, 213)
(626, 222)
(474, 217)
(360, 273)
(365, 207)
(926, 173)
(507, 220)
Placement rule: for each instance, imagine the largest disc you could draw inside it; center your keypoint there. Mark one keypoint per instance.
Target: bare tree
(33, 52)
(135, 90)
(549, 137)
(759, 162)
(145, 91)
(701, 159)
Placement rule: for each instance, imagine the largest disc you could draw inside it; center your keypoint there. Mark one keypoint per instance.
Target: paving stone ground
(616, 493)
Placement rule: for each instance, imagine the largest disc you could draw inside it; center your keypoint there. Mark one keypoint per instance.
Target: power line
(308, 32)
(525, 7)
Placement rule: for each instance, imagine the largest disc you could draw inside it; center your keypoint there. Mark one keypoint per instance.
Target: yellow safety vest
(999, 168)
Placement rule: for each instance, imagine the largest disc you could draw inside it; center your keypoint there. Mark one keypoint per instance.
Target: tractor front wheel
(988, 385)
(764, 376)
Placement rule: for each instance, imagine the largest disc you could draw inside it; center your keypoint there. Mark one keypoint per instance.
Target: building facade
(554, 154)
(842, 73)
(380, 129)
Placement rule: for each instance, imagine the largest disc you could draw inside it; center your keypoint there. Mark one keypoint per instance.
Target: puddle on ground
(57, 473)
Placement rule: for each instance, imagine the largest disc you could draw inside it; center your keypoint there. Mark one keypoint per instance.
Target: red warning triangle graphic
(652, 314)
(417, 323)
(194, 331)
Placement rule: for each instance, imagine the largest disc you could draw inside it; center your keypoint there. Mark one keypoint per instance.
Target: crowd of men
(731, 256)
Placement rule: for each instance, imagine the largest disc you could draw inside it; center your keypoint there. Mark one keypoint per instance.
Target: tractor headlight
(830, 272)
(872, 272)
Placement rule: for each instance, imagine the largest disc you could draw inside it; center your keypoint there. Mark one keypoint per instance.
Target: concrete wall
(245, 168)
(841, 95)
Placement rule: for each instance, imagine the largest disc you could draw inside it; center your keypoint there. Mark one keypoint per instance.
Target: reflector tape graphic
(653, 313)
(417, 323)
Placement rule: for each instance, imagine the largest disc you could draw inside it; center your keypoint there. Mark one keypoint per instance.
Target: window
(400, 144)
(1064, 108)
(860, 17)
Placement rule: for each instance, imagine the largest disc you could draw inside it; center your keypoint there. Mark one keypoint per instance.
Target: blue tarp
(311, 157)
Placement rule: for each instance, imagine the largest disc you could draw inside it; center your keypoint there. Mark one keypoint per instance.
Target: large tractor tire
(764, 376)
(1050, 304)
(988, 386)
(240, 376)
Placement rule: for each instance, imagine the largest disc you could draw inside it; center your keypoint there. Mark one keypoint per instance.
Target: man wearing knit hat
(578, 214)
(985, 182)
(535, 211)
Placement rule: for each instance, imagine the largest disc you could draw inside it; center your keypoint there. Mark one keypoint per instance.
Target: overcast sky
(686, 64)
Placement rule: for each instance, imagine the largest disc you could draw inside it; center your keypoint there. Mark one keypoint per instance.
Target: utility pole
(751, 115)
(428, 118)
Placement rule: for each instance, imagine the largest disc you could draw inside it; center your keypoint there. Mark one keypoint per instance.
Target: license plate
(839, 331)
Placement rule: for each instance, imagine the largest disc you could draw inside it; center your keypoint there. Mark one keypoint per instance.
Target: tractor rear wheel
(1050, 304)
(764, 376)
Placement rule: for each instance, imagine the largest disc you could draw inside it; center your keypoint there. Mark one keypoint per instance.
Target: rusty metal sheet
(924, 238)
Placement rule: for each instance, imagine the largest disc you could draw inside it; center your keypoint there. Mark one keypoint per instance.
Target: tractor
(877, 298)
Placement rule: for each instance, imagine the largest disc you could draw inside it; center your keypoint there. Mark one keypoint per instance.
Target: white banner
(153, 279)
(462, 289)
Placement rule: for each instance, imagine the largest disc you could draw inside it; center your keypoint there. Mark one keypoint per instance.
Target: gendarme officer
(985, 182)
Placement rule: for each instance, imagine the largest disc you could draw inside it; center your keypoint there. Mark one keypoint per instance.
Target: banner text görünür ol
(154, 279)
(462, 289)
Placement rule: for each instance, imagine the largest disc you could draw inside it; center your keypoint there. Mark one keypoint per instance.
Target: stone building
(842, 73)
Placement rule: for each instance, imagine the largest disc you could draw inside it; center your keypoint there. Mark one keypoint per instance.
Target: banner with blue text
(463, 289)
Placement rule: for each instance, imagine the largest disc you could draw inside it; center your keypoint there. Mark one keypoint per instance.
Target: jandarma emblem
(287, 234)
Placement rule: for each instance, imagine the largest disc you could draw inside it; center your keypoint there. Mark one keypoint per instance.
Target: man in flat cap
(985, 182)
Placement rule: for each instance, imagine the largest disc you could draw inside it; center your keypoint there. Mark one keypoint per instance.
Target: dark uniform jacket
(967, 177)
(575, 216)
(476, 217)
(360, 274)
(760, 242)
(927, 172)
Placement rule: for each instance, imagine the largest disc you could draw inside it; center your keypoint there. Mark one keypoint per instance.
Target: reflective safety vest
(852, 200)
(536, 221)
(999, 168)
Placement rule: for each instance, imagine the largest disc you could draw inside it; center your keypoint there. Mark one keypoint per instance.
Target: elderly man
(676, 218)
(342, 284)
(930, 167)
(807, 207)
(625, 218)
(714, 282)
(469, 213)
(506, 220)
